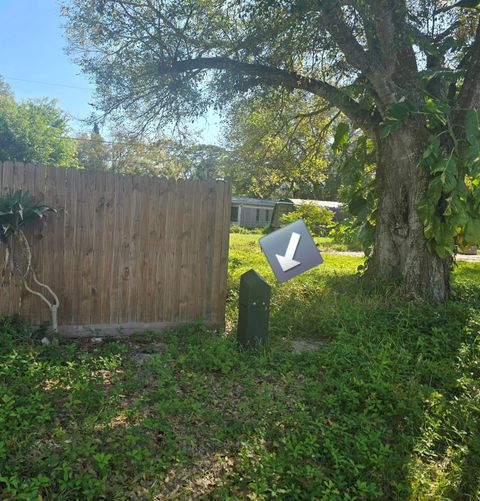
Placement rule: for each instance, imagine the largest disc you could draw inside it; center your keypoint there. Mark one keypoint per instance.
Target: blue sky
(34, 63)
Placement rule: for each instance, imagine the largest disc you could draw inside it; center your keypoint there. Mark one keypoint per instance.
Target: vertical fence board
(136, 247)
(66, 311)
(209, 263)
(4, 288)
(56, 223)
(202, 250)
(196, 268)
(10, 296)
(122, 249)
(179, 235)
(97, 279)
(217, 248)
(161, 291)
(122, 273)
(109, 249)
(147, 252)
(44, 238)
(169, 251)
(186, 265)
(223, 266)
(88, 243)
(116, 274)
(41, 259)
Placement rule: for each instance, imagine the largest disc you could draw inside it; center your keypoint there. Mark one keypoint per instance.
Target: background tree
(5, 89)
(406, 73)
(92, 151)
(205, 162)
(34, 132)
(318, 219)
(167, 158)
(280, 147)
(130, 155)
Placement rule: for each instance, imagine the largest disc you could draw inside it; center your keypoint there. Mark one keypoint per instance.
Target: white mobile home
(251, 212)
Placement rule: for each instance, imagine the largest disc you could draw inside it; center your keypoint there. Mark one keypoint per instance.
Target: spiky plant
(19, 210)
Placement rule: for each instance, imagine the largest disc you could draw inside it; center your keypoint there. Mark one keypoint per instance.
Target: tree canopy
(280, 146)
(34, 132)
(150, 57)
(93, 152)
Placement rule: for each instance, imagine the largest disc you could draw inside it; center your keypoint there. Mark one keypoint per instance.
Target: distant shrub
(238, 229)
(246, 231)
(346, 233)
(317, 219)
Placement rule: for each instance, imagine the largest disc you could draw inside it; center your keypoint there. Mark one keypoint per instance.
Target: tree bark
(400, 252)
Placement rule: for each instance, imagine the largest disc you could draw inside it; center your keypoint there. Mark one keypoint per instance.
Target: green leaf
(449, 176)
(366, 235)
(425, 210)
(436, 110)
(396, 117)
(358, 205)
(472, 232)
(472, 127)
(433, 148)
(434, 190)
(19, 209)
(341, 137)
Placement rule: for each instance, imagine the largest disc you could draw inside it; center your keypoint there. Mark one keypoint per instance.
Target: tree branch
(461, 4)
(278, 77)
(373, 69)
(389, 62)
(390, 22)
(469, 96)
(334, 23)
(441, 36)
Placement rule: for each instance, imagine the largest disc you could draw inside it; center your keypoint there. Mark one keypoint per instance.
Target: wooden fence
(130, 251)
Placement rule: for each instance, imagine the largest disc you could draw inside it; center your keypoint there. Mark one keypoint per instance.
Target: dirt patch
(302, 345)
(144, 352)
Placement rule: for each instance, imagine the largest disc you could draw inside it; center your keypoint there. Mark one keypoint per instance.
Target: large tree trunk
(400, 251)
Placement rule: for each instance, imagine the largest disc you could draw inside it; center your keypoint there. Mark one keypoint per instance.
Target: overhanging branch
(279, 77)
(361, 59)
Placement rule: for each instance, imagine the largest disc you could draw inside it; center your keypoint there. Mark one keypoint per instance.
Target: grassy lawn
(387, 408)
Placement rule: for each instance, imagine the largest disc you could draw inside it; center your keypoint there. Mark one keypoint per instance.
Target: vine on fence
(17, 211)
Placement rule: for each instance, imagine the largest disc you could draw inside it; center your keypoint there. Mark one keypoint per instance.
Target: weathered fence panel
(125, 251)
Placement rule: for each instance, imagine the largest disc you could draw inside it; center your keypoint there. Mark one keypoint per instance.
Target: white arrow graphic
(287, 262)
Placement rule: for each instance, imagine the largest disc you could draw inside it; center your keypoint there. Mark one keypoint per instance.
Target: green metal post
(253, 310)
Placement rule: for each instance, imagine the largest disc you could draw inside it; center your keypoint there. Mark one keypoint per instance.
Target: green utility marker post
(253, 311)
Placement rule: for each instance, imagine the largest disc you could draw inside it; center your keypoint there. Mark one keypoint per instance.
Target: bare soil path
(459, 257)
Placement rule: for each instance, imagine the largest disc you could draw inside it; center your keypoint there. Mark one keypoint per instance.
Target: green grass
(305, 306)
(388, 408)
(325, 243)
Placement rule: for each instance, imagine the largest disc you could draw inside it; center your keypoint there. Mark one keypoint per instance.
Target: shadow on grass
(321, 307)
(389, 360)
